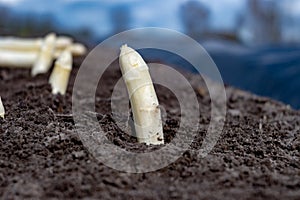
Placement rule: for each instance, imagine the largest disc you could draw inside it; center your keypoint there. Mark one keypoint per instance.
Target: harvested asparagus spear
(20, 44)
(59, 77)
(143, 99)
(76, 49)
(26, 59)
(45, 58)
(2, 111)
(17, 59)
(28, 44)
(63, 42)
(15, 51)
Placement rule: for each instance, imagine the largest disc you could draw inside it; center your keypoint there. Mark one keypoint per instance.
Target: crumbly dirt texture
(41, 155)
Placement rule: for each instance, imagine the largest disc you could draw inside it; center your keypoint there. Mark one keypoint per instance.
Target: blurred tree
(120, 18)
(4, 20)
(195, 18)
(26, 24)
(263, 22)
(290, 21)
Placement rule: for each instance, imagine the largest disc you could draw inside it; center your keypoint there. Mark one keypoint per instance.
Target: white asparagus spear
(26, 59)
(63, 42)
(45, 58)
(17, 59)
(76, 49)
(30, 44)
(2, 111)
(59, 77)
(20, 44)
(143, 99)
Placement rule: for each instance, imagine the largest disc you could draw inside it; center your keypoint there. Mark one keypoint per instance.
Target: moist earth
(41, 155)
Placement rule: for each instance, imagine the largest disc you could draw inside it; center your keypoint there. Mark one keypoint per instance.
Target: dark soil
(42, 157)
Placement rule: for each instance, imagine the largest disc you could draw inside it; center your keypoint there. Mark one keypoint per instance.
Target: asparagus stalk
(24, 52)
(59, 77)
(20, 44)
(76, 49)
(63, 42)
(2, 111)
(17, 59)
(44, 60)
(143, 99)
(29, 44)
(26, 59)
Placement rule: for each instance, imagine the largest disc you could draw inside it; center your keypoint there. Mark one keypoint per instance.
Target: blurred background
(255, 43)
